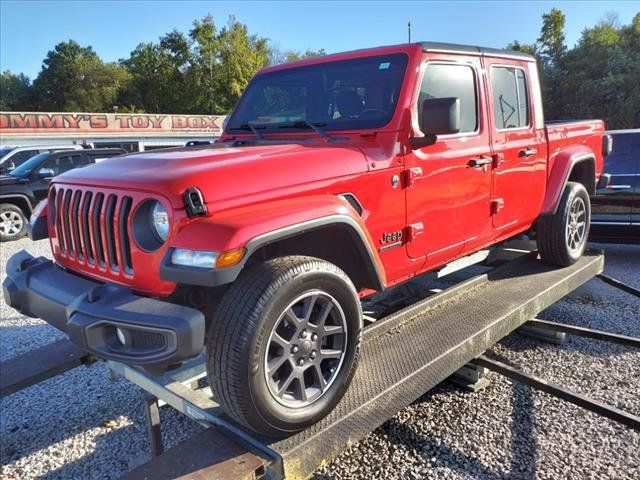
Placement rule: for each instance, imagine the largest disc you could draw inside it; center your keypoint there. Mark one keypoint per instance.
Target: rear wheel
(562, 237)
(283, 344)
(13, 222)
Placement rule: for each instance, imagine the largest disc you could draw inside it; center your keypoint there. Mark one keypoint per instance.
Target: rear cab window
(510, 97)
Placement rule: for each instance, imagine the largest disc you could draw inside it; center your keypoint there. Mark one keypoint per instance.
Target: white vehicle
(12, 157)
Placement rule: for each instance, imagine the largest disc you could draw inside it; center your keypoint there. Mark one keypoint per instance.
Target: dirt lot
(84, 425)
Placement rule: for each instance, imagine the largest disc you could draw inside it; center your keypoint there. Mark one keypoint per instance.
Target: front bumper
(107, 320)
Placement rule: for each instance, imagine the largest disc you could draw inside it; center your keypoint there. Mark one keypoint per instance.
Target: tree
(15, 92)
(240, 56)
(73, 78)
(602, 74)
(531, 49)
(158, 75)
(597, 78)
(551, 40)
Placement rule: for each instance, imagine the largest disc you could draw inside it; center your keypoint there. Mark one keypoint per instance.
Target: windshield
(343, 95)
(28, 166)
(4, 151)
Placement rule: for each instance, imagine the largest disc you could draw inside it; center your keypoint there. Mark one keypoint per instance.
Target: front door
(449, 182)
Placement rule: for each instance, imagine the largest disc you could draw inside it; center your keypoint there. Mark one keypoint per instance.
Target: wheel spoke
(332, 330)
(285, 385)
(275, 363)
(308, 307)
(329, 353)
(324, 314)
(302, 387)
(279, 340)
(319, 377)
(292, 317)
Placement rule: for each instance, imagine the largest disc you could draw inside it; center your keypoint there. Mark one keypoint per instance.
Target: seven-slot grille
(92, 227)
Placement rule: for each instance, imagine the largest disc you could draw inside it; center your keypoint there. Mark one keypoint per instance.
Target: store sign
(33, 123)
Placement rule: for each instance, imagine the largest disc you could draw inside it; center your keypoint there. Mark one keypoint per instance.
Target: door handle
(527, 152)
(479, 161)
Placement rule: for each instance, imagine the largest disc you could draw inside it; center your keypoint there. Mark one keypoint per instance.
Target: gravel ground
(84, 425)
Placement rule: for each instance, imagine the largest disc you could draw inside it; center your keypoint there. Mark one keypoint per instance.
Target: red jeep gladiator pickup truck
(335, 177)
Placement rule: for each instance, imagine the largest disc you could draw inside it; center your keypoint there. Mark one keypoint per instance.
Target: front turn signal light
(230, 258)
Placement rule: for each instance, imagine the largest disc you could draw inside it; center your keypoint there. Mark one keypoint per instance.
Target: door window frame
(476, 78)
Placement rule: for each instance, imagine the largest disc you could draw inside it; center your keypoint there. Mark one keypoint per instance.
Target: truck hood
(223, 172)
(6, 180)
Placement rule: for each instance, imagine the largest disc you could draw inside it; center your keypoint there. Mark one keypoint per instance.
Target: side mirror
(45, 173)
(438, 116)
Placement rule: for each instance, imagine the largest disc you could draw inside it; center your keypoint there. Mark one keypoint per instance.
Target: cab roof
(439, 47)
(475, 50)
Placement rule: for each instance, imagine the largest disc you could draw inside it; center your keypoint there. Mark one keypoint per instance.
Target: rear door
(518, 151)
(448, 197)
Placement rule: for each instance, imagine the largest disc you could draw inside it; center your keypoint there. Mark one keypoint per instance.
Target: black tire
(558, 242)
(241, 340)
(13, 222)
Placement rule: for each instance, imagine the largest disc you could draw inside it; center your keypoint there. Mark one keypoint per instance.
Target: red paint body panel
(445, 209)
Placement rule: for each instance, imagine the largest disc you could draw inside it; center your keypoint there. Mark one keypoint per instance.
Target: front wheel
(562, 237)
(283, 344)
(13, 223)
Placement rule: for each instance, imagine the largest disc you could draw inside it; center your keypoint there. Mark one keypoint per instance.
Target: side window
(21, 157)
(441, 81)
(510, 97)
(64, 163)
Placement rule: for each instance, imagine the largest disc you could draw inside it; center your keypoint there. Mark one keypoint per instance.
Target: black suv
(24, 187)
(615, 207)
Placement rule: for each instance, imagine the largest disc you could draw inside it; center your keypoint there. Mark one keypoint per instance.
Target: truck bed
(563, 134)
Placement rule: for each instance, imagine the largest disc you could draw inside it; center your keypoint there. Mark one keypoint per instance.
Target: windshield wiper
(250, 126)
(307, 124)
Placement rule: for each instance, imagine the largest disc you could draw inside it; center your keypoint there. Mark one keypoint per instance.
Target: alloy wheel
(306, 349)
(11, 223)
(576, 225)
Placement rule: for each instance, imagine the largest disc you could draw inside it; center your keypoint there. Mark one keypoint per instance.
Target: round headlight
(160, 221)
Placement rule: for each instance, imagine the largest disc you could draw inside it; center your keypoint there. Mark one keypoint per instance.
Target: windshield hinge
(412, 175)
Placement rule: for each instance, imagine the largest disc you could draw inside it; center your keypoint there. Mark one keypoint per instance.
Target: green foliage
(531, 49)
(15, 91)
(598, 78)
(73, 78)
(551, 46)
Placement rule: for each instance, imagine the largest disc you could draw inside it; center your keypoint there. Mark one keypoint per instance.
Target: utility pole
(409, 30)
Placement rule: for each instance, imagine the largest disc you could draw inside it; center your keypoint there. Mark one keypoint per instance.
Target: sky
(29, 29)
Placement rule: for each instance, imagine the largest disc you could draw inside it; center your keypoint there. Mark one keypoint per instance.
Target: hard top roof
(474, 50)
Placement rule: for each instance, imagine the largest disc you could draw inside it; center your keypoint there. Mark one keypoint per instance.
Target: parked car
(335, 177)
(26, 185)
(616, 203)
(12, 157)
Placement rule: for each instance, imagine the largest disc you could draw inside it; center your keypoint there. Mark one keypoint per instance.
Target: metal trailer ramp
(403, 356)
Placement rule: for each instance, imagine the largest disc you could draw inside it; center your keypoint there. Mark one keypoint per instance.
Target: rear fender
(256, 226)
(563, 165)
